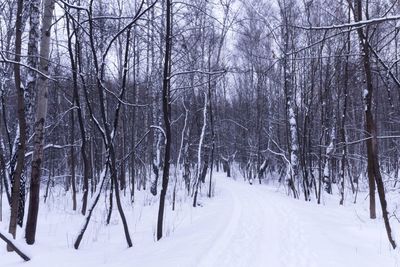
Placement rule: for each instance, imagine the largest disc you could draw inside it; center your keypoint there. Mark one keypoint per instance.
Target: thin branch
(361, 23)
(196, 71)
(9, 61)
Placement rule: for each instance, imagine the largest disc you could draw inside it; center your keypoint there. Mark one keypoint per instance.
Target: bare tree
(166, 107)
(40, 118)
(374, 173)
(21, 132)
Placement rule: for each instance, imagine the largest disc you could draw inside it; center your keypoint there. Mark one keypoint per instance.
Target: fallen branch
(8, 239)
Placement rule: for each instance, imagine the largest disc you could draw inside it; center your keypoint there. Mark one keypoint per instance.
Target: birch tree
(40, 119)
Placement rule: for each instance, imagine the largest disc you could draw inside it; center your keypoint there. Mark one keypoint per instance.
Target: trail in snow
(265, 233)
(242, 226)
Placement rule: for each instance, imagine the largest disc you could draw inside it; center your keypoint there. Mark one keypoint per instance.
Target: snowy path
(257, 226)
(242, 226)
(261, 232)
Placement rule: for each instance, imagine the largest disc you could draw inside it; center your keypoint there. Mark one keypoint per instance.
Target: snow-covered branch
(362, 23)
(14, 246)
(197, 72)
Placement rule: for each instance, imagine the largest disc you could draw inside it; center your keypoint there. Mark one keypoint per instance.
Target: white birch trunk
(198, 171)
(41, 112)
(294, 145)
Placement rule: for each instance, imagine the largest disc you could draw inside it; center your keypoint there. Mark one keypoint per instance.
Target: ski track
(224, 233)
(259, 231)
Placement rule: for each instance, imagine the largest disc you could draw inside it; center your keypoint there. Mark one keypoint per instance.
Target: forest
(118, 113)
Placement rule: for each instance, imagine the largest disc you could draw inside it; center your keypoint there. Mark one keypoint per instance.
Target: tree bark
(199, 172)
(15, 196)
(96, 198)
(72, 158)
(374, 173)
(74, 66)
(39, 129)
(166, 106)
(292, 139)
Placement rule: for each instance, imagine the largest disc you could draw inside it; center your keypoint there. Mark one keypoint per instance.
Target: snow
(18, 244)
(365, 93)
(243, 225)
(330, 148)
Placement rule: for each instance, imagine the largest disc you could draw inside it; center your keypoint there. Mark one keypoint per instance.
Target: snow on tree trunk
(329, 153)
(20, 152)
(39, 129)
(33, 59)
(199, 159)
(33, 7)
(294, 149)
(156, 164)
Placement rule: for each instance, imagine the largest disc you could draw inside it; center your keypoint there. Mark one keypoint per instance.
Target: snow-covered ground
(242, 225)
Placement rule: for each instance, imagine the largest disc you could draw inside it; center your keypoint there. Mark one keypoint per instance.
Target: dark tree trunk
(15, 195)
(72, 159)
(96, 198)
(342, 126)
(74, 66)
(374, 173)
(166, 105)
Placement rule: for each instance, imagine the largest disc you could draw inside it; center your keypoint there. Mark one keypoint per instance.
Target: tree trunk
(72, 158)
(74, 65)
(166, 105)
(293, 143)
(374, 173)
(15, 196)
(199, 172)
(41, 112)
(343, 123)
(96, 198)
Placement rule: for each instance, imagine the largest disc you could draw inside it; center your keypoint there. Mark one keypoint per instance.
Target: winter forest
(199, 133)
